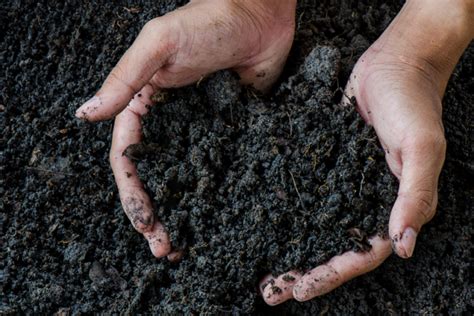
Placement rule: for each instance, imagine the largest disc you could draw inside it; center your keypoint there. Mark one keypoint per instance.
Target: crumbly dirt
(292, 169)
(248, 185)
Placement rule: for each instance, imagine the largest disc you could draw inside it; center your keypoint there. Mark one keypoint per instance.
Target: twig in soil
(199, 81)
(300, 18)
(252, 92)
(352, 100)
(297, 191)
(132, 9)
(291, 123)
(351, 56)
(361, 184)
(373, 139)
(339, 89)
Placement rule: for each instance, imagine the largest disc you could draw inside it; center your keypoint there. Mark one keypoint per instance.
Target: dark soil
(247, 186)
(242, 180)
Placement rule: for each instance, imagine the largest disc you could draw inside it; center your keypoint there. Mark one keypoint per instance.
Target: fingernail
(87, 108)
(408, 241)
(175, 256)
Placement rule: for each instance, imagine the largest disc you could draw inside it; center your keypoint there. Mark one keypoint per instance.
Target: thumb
(150, 51)
(417, 195)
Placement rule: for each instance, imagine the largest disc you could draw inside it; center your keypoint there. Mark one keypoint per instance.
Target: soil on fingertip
(246, 184)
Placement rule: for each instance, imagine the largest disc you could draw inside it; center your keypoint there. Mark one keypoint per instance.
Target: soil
(246, 184)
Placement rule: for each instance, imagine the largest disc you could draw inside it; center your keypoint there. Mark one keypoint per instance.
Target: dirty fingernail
(157, 247)
(84, 110)
(408, 241)
(265, 282)
(175, 256)
(158, 240)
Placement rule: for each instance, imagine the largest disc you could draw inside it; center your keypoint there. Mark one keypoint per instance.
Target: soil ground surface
(246, 184)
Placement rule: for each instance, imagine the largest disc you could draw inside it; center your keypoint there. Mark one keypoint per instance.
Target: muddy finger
(175, 256)
(158, 240)
(280, 289)
(341, 269)
(127, 131)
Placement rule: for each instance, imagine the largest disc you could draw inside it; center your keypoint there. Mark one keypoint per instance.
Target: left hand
(398, 84)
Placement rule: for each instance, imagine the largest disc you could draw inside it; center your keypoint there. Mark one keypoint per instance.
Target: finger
(417, 195)
(278, 290)
(127, 131)
(175, 256)
(266, 280)
(341, 269)
(150, 51)
(135, 201)
(158, 240)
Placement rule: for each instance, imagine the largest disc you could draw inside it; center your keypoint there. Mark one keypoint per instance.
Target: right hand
(398, 84)
(251, 37)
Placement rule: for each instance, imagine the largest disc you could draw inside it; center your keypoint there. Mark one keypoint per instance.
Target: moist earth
(246, 184)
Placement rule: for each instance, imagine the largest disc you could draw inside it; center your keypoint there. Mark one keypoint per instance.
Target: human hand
(398, 85)
(182, 47)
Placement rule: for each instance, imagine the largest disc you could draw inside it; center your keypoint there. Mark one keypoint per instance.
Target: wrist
(431, 34)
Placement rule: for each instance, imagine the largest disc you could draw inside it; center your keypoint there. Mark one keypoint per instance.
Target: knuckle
(300, 294)
(163, 34)
(152, 26)
(437, 141)
(429, 141)
(442, 144)
(423, 202)
(159, 29)
(373, 260)
(426, 206)
(118, 75)
(424, 199)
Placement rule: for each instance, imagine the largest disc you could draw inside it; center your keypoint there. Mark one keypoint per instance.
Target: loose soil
(246, 184)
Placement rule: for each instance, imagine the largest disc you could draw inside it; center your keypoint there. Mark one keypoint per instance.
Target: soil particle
(106, 280)
(288, 278)
(75, 251)
(276, 290)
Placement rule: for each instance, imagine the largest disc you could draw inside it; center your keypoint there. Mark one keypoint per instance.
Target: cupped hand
(403, 103)
(251, 37)
(397, 85)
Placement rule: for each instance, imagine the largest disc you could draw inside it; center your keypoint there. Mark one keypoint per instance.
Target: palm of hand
(401, 99)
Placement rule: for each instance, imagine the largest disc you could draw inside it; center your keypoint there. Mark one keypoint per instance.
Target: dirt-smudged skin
(66, 244)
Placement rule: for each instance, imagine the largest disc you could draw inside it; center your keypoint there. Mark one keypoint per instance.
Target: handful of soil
(248, 185)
